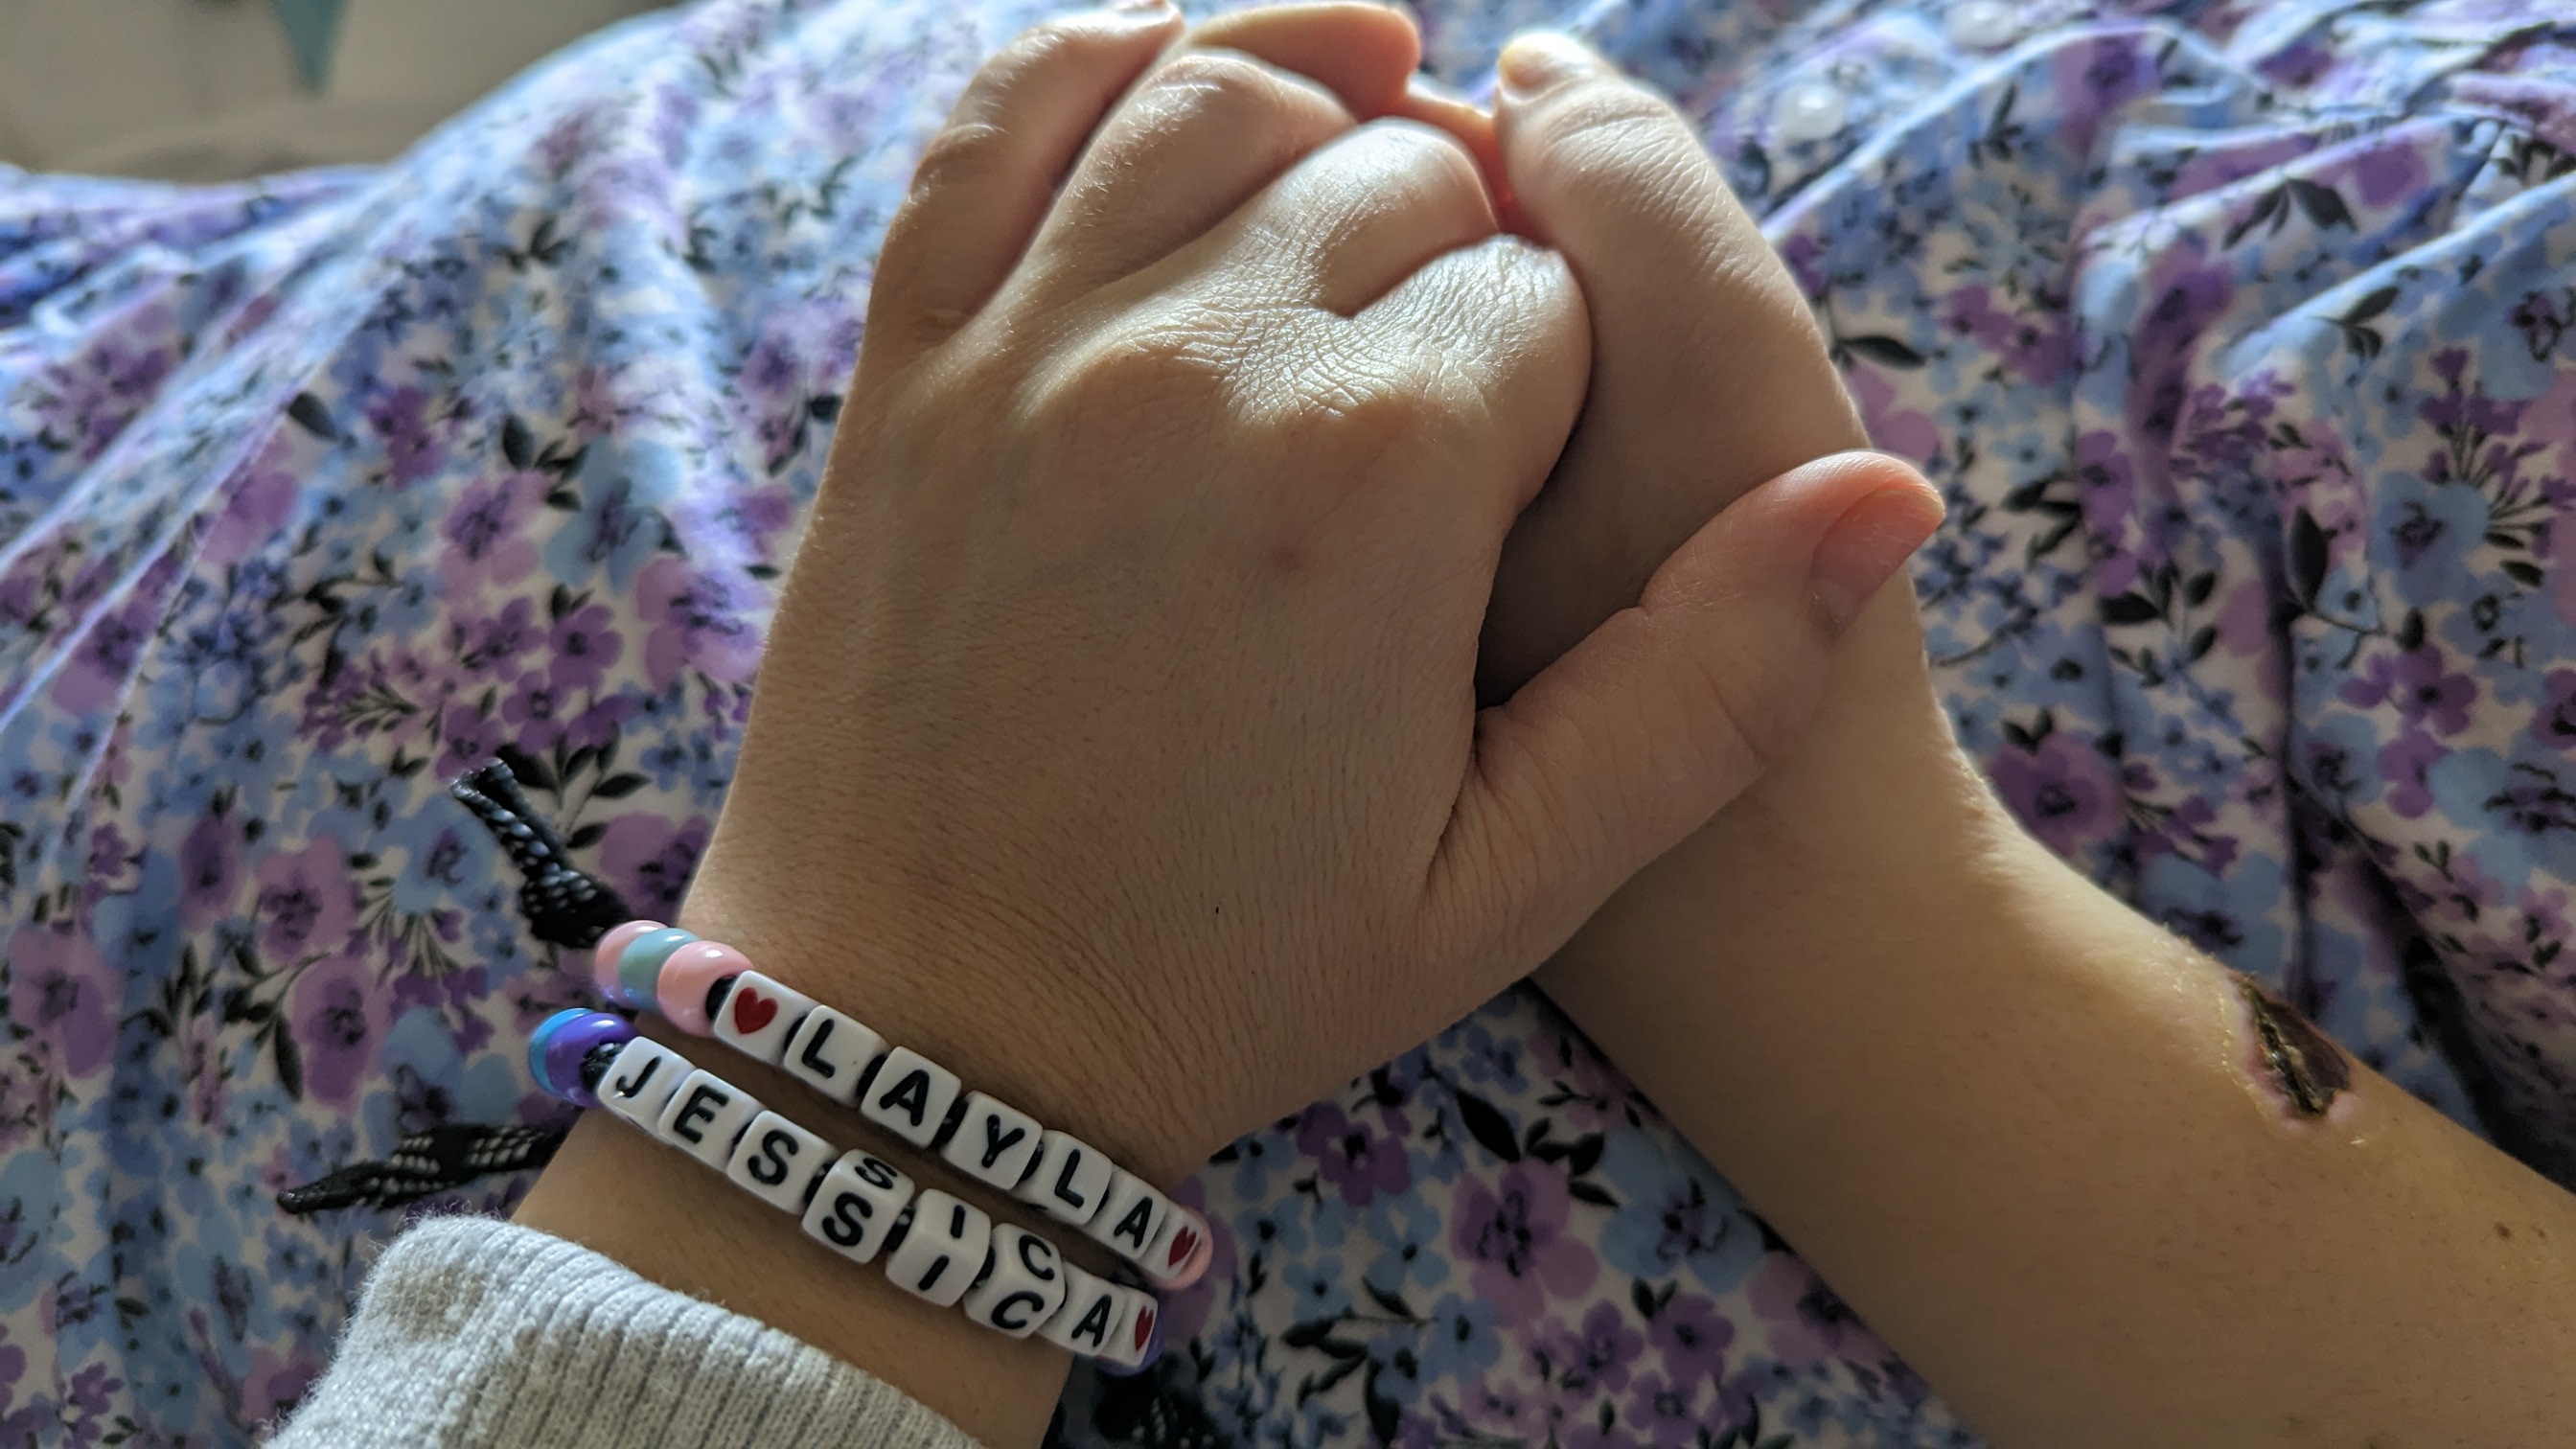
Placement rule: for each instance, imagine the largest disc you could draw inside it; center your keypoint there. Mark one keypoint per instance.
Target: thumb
(1669, 709)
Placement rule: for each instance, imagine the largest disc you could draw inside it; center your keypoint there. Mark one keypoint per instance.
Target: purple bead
(570, 1041)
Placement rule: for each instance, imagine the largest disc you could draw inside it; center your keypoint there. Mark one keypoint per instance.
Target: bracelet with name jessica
(942, 1249)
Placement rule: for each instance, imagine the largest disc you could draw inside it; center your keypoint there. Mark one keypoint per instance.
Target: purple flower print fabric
(2237, 335)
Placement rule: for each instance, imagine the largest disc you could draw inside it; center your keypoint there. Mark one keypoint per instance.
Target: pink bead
(687, 975)
(603, 957)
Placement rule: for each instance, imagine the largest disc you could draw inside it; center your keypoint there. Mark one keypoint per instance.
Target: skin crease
(2103, 1228)
(1274, 373)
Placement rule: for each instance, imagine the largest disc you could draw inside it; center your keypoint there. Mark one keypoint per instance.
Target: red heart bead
(1184, 1243)
(1144, 1326)
(752, 1011)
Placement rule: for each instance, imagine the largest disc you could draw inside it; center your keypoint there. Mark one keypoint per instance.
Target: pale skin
(2030, 1136)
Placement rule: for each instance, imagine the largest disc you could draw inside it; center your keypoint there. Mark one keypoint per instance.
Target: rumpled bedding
(2236, 334)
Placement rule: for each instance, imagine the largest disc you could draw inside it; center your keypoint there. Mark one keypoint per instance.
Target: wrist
(990, 994)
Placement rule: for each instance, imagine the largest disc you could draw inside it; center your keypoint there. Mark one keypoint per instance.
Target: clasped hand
(1119, 735)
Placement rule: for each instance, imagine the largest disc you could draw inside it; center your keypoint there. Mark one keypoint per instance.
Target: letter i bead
(943, 1251)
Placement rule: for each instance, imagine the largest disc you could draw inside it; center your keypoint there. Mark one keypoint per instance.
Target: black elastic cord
(563, 905)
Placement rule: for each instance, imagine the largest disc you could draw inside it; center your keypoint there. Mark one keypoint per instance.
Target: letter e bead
(705, 1116)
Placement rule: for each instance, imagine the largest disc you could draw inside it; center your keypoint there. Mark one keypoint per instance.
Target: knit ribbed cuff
(473, 1331)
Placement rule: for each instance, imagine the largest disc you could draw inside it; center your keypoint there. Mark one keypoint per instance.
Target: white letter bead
(910, 1096)
(1069, 1180)
(856, 1206)
(777, 1160)
(1089, 1315)
(994, 1143)
(1132, 1215)
(1025, 1287)
(1183, 1235)
(758, 1014)
(942, 1251)
(641, 1080)
(1134, 1334)
(830, 1052)
(705, 1116)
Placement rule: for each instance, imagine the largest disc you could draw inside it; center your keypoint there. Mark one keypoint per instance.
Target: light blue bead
(537, 1040)
(639, 966)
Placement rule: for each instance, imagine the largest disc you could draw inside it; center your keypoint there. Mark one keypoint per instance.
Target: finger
(1434, 103)
(1363, 53)
(1349, 222)
(1506, 317)
(1688, 304)
(985, 180)
(1668, 710)
(1202, 134)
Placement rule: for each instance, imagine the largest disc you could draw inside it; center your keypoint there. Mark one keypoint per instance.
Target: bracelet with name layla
(935, 1246)
(707, 988)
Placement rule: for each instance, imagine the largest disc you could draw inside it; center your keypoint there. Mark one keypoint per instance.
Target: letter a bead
(942, 1251)
(856, 1206)
(705, 1116)
(1069, 1180)
(994, 1143)
(910, 1096)
(777, 1160)
(1025, 1287)
(1092, 1309)
(757, 1016)
(1132, 1216)
(640, 1082)
(1135, 1340)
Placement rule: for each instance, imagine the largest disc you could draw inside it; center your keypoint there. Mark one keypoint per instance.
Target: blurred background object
(206, 90)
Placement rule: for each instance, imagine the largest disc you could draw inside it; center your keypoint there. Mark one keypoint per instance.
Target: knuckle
(1179, 363)
(1202, 83)
(965, 151)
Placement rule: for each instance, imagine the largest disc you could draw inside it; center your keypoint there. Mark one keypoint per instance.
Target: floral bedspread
(2238, 336)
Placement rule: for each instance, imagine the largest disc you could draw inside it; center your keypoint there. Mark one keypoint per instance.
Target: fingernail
(1142, 9)
(1539, 60)
(1867, 545)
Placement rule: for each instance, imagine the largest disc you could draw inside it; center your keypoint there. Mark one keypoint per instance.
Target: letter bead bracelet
(859, 1205)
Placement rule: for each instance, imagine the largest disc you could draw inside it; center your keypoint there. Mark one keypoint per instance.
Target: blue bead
(537, 1040)
(639, 968)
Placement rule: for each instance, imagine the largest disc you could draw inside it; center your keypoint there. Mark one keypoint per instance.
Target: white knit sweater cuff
(474, 1331)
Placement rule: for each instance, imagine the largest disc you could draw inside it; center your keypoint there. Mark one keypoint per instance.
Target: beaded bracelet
(859, 1206)
(707, 988)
